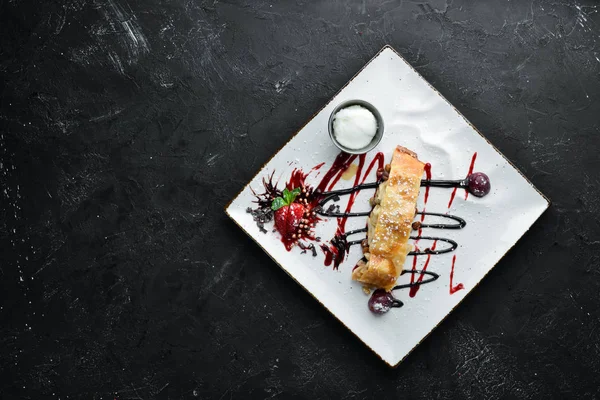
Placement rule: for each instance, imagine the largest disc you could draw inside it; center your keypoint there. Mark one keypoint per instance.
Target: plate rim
(388, 46)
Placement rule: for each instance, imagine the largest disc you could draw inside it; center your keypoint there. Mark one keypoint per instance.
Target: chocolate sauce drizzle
(461, 223)
(460, 183)
(451, 248)
(333, 195)
(433, 277)
(353, 232)
(452, 243)
(335, 252)
(342, 245)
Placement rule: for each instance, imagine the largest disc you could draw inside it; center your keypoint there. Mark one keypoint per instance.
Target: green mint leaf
(292, 195)
(278, 202)
(287, 196)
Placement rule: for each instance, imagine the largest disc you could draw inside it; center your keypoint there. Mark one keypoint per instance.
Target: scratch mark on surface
(116, 62)
(522, 65)
(135, 41)
(106, 116)
(582, 20)
(212, 159)
(282, 84)
(222, 272)
(164, 387)
(61, 23)
(535, 111)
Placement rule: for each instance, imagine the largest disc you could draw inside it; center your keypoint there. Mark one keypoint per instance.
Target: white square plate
(416, 116)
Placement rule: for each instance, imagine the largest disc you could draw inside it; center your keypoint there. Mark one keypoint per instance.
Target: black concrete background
(126, 126)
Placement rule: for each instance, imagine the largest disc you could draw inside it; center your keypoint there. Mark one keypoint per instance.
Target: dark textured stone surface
(125, 127)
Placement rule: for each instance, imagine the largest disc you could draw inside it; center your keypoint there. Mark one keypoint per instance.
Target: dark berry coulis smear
(338, 247)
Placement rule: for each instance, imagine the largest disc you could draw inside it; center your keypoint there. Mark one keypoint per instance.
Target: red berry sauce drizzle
(428, 178)
(336, 251)
(454, 289)
(313, 201)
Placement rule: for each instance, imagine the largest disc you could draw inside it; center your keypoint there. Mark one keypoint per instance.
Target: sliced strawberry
(287, 219)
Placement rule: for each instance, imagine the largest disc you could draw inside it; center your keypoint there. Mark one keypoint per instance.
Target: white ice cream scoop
(355, 127)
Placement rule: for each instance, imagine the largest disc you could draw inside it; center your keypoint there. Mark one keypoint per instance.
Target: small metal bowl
(376, 138)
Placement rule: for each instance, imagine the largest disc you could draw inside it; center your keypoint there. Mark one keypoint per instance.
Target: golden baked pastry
(389, 224)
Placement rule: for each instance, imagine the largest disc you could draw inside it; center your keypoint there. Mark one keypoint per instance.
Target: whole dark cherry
(478, 184)
(381, 302)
